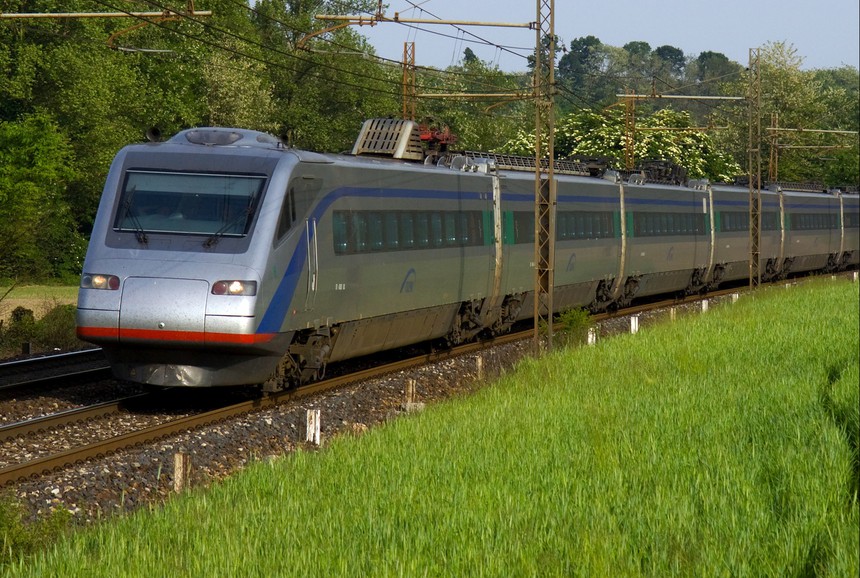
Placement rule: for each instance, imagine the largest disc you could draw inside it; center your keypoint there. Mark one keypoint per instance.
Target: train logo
(408, 284)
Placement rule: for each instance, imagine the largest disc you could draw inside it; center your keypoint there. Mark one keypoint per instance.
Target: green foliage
(37, 234)
(601, 134)
(19, 539)
(803, 99)
(62, 85)
(574, 326)
(55, 330)
(479, 124)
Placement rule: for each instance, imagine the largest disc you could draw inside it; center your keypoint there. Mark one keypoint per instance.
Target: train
(223, 257)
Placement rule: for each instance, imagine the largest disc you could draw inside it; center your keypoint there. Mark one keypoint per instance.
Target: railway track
(56, 461)
(32, 469)
(49, 370)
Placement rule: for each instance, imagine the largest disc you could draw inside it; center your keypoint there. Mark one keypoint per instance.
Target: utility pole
(545, 186)
(754, 166)
(408, 81)
(543, 94)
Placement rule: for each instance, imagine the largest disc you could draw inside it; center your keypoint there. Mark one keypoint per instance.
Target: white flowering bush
(602, 134)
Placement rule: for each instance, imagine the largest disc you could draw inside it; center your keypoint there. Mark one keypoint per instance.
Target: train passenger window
(436, 235)
(358, 241)
(407, 230)
(392, 234)
(609, 225)
(465, 231)
(375, 235)
(561, 226)
(579, 226)
(769, 221)
(339, 231)
(450, 225)
(524, 227)
(422, 230)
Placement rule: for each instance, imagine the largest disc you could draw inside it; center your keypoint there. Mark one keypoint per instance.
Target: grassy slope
(718, 446)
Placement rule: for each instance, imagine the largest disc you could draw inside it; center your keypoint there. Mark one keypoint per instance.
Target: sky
(825, 33)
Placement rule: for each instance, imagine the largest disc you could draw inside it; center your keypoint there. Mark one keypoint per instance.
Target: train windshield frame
(210, 204)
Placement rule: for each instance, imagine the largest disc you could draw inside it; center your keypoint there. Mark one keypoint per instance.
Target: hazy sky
(825, 33)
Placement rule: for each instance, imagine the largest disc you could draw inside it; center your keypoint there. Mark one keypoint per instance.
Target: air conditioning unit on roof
(395, 138)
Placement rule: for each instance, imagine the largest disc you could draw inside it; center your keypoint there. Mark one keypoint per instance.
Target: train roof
(397, 143)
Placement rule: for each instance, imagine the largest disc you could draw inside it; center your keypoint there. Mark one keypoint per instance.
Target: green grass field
(64, 292)
(723, 445)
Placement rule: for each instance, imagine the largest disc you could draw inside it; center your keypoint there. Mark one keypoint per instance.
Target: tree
(323, 94)
(671, 60)
(238, 92)
(584, 74)
(601, 134)
(37, 236)
(798, 99)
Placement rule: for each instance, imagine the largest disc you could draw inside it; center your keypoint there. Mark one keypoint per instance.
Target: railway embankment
(723, 443)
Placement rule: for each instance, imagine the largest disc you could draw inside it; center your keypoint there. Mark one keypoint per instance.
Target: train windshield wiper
(139, 233)
(216, 236)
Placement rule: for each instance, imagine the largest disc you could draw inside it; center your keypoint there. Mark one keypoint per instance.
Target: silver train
(220, 257)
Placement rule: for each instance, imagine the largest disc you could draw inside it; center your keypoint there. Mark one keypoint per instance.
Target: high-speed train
(222, 257)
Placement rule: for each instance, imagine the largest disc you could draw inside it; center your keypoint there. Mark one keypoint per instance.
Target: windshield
(201, 204)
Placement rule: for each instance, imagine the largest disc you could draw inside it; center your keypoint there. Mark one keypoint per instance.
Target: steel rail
(67, 417)
(11, 371)
(45, 465)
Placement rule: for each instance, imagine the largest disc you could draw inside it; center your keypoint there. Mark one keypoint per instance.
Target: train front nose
(167, 311)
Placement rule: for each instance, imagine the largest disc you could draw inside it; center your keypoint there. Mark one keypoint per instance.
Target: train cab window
(188, 203)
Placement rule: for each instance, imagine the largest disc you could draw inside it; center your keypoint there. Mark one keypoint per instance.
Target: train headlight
(234, 288)
(99, 281)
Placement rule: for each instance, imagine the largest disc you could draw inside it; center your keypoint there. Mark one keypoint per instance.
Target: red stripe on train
(161, 335)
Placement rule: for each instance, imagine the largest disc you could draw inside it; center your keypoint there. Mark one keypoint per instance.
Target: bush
(575, 324)
(18, 539)
(56, 330)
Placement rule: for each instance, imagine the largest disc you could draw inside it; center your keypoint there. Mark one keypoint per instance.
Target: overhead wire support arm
(377, 18)
(146, 18)
(636, 96)
(58, 15)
